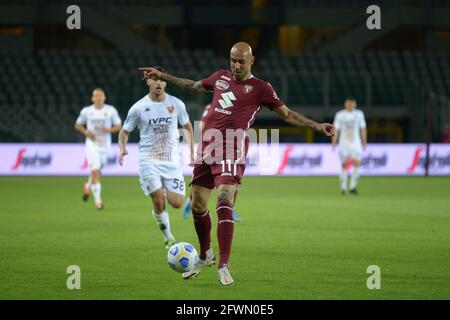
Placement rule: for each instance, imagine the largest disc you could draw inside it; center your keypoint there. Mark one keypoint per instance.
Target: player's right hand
(150, 73)
(122, 155)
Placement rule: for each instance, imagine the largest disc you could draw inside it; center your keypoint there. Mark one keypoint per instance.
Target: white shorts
(153, 176)
(96, 157)
(350, 152)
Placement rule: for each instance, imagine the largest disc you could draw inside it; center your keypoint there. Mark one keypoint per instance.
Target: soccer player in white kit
(157, 116)
(351, 131)
(97, 122)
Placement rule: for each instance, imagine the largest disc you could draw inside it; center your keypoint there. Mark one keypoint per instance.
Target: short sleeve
(132, 119)
(183, 117)
(269, 97)
(116, 118)
(82, 118)
(362, 120)
(337, 122)
(208, 83)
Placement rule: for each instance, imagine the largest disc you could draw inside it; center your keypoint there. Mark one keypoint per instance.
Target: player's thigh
(344, 154)
(356, 155)
(103, 156)
(176, 190)
(175, 199)
(200, 198)
(149, 179)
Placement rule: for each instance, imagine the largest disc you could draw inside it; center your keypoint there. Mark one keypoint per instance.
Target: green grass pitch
(299, 239)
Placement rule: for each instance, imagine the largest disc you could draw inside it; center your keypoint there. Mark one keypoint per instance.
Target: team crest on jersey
(248, 88)
(170, 109)
(222, 85)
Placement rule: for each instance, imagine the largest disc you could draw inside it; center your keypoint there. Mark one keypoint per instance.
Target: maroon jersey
(234, 106)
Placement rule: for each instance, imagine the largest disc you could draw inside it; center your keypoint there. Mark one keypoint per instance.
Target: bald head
(241, 60)
(241, 48)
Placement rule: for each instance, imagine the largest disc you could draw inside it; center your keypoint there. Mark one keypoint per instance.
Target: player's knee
(198, 206)
(95, 176)
(225, 194)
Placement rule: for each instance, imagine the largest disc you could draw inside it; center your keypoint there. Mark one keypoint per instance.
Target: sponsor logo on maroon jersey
(227, 112)
(222, 85)
(170, 109)
(35, 161)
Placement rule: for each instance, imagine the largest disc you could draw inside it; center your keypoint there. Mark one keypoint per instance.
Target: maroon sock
(202, 222)
(225, 229)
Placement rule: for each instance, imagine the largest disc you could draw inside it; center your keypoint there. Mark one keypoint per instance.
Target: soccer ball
(182, 257)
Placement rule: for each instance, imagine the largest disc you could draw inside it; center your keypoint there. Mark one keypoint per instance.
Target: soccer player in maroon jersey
(238, 96)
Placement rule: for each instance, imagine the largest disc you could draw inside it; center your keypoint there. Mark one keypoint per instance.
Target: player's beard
(238, 76)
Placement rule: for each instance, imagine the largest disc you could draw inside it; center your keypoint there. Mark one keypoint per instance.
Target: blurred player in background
(187, 204)
(238, 97)
(96, 122)
(157, 116)
(351, 132)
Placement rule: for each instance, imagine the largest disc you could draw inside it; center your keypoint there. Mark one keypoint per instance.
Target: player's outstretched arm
(186, 84)
(123, 139)
(299, 120)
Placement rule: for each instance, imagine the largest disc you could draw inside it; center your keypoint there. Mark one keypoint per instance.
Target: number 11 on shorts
(229, 165)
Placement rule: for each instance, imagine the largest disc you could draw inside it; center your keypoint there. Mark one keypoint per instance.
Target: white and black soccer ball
(182, 257)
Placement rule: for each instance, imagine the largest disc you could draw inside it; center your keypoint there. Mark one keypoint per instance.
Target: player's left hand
(150, 73)
(106, 130)
(326, 128)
